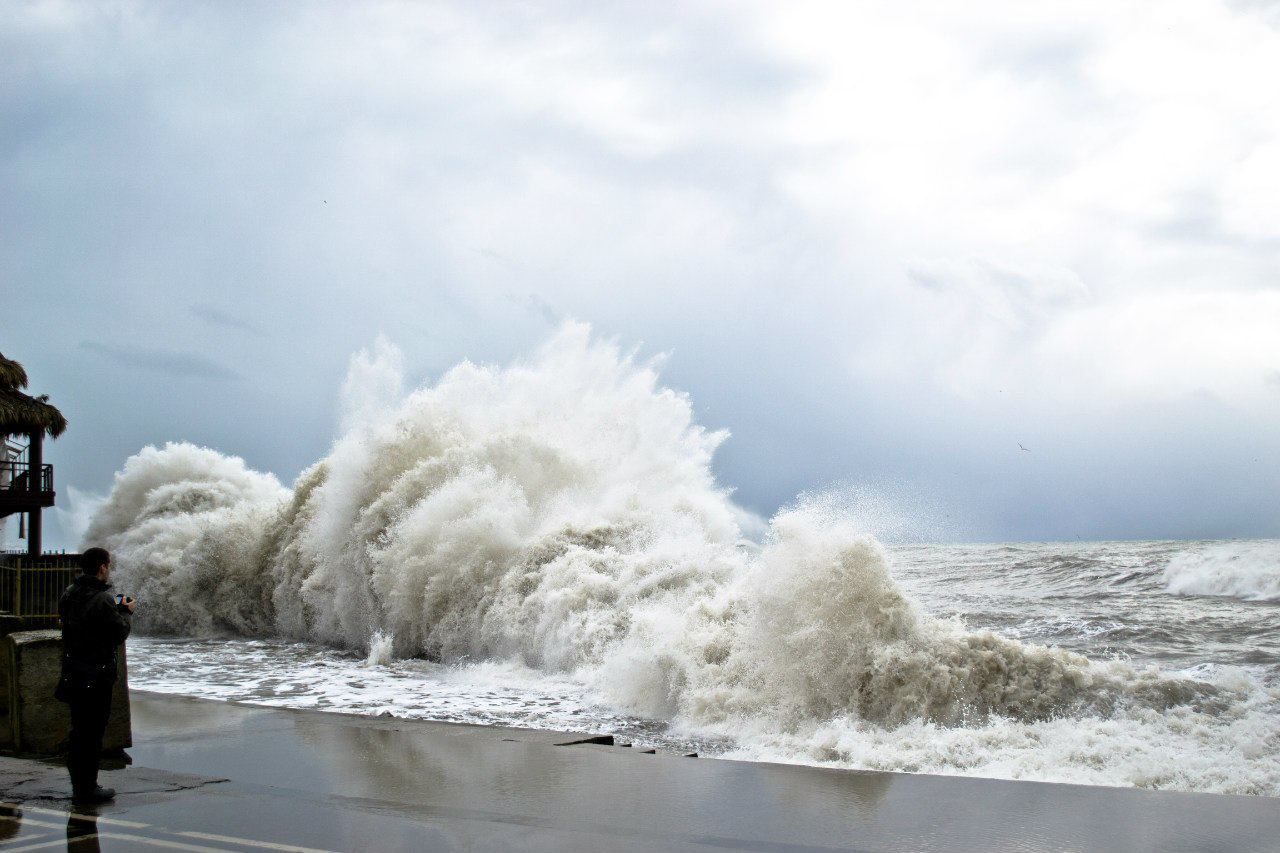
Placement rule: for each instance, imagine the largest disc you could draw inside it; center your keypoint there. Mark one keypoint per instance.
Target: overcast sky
(884, 244)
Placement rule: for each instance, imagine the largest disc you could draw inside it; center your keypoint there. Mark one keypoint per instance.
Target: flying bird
(1020, 447)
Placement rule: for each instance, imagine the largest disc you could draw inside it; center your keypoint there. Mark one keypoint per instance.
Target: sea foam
(1246, 570)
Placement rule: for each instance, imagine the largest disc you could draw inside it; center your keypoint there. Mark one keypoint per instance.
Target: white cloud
(1042, 129)
(1167, 345)
(1251, 194)
(1092, 166)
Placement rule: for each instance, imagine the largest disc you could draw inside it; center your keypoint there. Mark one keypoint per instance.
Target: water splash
(561, 513)
(380, 650)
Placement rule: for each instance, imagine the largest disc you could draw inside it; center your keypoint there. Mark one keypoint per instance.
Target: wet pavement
(213, 776)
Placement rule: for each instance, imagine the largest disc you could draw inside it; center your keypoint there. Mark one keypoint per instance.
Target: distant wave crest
(1246, 570)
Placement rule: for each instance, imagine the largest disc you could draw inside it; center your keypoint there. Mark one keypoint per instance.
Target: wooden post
(35, 483)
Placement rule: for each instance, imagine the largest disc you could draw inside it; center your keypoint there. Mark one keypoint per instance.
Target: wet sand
(219, 776)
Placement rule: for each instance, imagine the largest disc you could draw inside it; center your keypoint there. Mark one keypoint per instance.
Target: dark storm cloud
(223, 319)
(1008, 294)
(539, 306)
(179, 364)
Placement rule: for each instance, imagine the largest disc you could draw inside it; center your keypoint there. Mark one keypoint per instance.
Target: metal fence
(31, 588)
(16, 477)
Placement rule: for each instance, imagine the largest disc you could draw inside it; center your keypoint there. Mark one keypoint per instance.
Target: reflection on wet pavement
(211, 776)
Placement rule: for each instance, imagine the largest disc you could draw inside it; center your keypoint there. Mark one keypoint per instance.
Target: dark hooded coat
(93, 626)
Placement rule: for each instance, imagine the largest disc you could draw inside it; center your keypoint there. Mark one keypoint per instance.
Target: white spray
(562, 513)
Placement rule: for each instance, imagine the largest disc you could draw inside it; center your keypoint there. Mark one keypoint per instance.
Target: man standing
(94, 624)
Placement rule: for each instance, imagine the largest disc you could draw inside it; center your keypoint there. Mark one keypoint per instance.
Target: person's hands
(129, 603)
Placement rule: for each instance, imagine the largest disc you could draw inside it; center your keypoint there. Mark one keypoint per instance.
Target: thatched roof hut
(22, 414)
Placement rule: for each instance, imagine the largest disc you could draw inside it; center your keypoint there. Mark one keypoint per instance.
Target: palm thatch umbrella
(22, 414)
(11, 373)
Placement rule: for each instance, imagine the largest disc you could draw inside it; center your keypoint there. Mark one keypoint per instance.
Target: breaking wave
(561, 513)
(1246, 570)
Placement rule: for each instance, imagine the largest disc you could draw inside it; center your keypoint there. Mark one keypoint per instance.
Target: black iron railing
(31, 588)
(16, 476)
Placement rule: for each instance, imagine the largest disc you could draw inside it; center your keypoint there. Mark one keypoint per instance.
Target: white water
(1249, 570)
(559, 517)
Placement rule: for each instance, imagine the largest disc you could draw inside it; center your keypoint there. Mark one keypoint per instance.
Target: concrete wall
(38, 723)
(8, 625)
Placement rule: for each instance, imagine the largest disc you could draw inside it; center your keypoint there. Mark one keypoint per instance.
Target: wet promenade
(211, 776)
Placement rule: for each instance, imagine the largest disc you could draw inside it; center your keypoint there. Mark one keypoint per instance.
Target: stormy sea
(545, 545)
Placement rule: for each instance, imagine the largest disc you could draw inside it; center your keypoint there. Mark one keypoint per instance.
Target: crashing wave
(562, 513)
